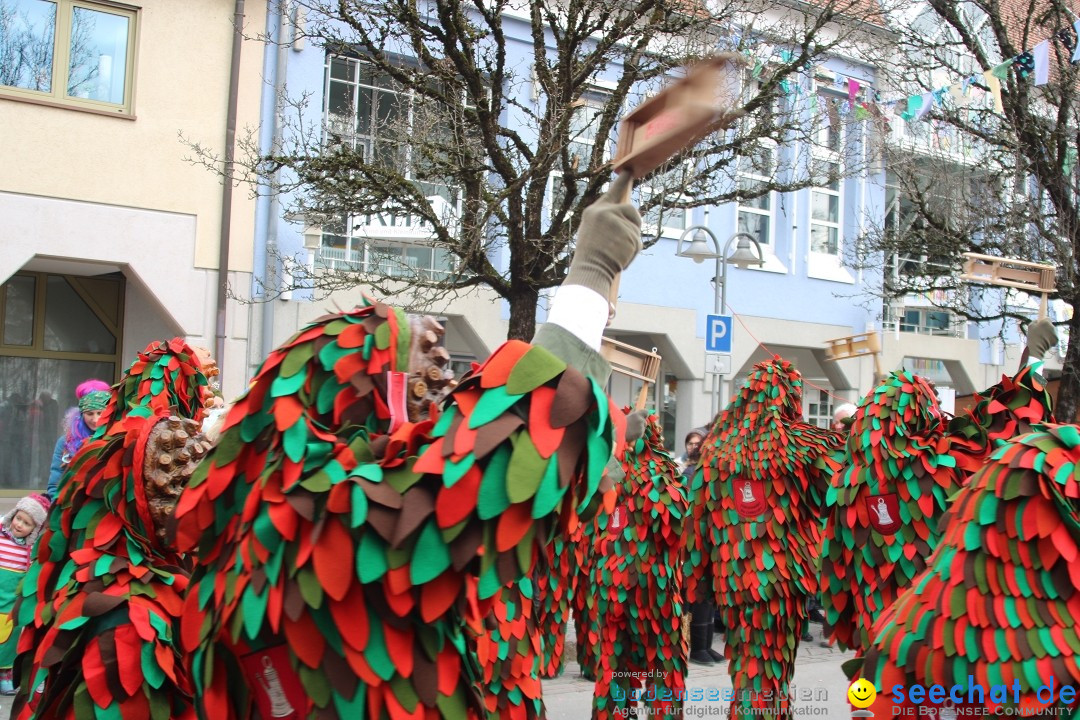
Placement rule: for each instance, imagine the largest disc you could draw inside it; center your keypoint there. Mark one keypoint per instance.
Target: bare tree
(969, 176)
(497, 131)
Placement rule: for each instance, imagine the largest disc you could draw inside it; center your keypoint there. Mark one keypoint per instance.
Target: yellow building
(109, 236)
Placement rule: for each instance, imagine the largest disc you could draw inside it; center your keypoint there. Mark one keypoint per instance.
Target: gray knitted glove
(608, 240)
(635, 425)
(1041, 336)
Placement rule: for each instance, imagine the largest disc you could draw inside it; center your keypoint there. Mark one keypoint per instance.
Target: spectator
(79, 424)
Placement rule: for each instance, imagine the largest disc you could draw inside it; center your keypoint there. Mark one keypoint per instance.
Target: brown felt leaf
(572, 398)
(418, 504)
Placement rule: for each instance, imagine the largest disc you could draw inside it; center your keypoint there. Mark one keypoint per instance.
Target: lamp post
(699, 251)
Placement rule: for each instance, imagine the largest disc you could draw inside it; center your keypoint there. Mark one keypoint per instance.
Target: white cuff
(581, 311)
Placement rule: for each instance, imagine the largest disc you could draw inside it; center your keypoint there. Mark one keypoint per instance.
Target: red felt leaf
(455, 503)
(431, 461)
(334, 545)
(287, 410)
(305, 640)
(399, 646)
(128, 658)
(496, 371)
(545, 437)
(437, 596)
(94, 674)
(351, 617)
(513, 524)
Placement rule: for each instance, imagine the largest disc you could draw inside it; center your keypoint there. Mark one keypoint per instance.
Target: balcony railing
(955, 329)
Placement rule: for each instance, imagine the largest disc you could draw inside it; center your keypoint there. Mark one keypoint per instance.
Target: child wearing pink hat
(19, 529)
(79, 424)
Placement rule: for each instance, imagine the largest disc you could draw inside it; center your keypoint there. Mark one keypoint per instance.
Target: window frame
(824, 152)
(361, 256)
(57, 96)
(769, 246)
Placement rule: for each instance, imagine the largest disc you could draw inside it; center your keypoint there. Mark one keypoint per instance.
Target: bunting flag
(885, 505)
(100, 603)
(852, 90)
(338, 562)
(1041, 61)
(757, 500)
(638, 586)
(997, 605)
(994, 84)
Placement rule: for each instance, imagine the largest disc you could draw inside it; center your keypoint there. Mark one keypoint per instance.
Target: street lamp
(699, 251)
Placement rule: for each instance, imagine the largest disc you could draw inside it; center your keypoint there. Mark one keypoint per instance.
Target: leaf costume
(756, 500)
(340, 546)
(885, 505)
(554, 594)
(100, 602)
(638, 585)
(1000, 599)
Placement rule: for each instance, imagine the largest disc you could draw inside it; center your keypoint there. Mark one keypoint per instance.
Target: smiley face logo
(862, 693)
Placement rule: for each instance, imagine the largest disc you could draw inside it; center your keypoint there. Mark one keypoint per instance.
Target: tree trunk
(523, 304)
(1068, 398)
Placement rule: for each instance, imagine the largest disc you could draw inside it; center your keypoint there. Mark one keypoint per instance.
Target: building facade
(111, 237)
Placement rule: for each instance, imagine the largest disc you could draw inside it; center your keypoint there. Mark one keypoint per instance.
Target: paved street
(820, 688)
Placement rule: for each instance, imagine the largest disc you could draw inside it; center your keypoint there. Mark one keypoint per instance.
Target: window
(665, 190)
(55, 332)
(819, 407)
(755, 214)
(347, 248)
(584, 120)
(371, 112)
(825, 198)
(67, 51)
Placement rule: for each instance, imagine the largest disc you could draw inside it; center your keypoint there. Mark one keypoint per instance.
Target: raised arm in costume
(101, 599)
(757, 498)
(341, 545)
(638, 585)
(885, 505)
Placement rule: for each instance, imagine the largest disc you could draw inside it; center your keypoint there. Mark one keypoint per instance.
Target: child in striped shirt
(18, 531)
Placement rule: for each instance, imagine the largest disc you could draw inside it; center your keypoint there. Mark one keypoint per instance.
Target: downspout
(227, 188)
(274, 215)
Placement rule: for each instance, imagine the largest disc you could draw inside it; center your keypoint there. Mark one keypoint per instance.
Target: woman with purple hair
(79, 424)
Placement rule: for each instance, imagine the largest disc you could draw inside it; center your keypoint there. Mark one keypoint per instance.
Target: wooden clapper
(633, 362)
(678, 117)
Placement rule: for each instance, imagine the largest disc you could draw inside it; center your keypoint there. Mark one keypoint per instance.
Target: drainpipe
(271, 259)
(227, 188)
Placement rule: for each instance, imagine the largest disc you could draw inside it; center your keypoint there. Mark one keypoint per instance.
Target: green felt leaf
(404, 334)
(382, 336)
(326, 393)
(371, 558)
(253, 609)
(548, 494)
(493, 403)
(295, 440)
(310, 587)
(359, 510)
(431, 556)
(534, 369)
(375, 652)
(287, 385)
(297, 359)
(316, 685)
(332, 353)
(454, 471)
(492, 499)
(526, 469)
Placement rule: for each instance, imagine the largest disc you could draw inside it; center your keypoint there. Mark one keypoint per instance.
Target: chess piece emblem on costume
(271, 685)
(883, 512)
(748, 493)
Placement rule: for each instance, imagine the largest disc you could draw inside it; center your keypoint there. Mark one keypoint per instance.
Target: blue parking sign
(718, 333)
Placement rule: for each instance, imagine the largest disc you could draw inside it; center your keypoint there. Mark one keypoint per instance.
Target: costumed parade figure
(905, 466)
(342, 545)
(638, 584)
(100, 602)
(554, 594)
(885, 505)
(997, 604)
(757, 499)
